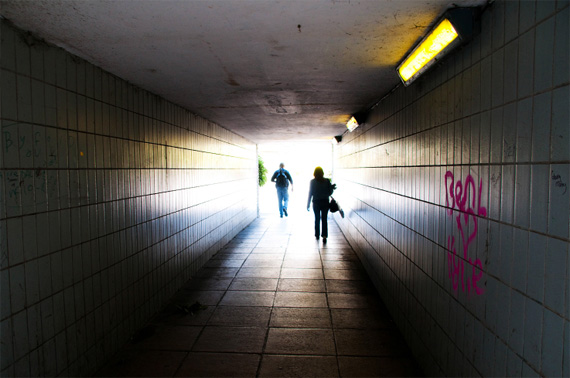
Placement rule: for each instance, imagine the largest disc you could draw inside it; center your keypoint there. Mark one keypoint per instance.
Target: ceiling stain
(275, 102)
(232, 82)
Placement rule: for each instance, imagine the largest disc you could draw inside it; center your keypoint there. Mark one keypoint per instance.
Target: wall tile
(495, 181)
(24, 98)
(59, 312)
(20, 334)
(511, 20)
(486, 83)
(541, 127)
(544, 8)
(3, 245)
(486, 38)
(8, 44)
(561, 54)
(507, 193)
(566, 357)
(500, 358)
(30, 241)
(554, 274)
(544, 53)
(498, 75)
(32, 286)
(507, 253)
(22, 366)
(526, 62)
(498, 22)
(17, 288)
(485, 137)
(527, 16)
(533, 333)
(45, 276)
(6, 347)
(22, 44)
(516, 322)
(49, 58)
(14, 232)
(559, 201)
(552, 344)
(514, 364)
(540, 177)
(50, 102)
(520, 260)
(560, 148)
(5, 309)
(535, 276)
(524, 130)
(510, 68)
(503, 321)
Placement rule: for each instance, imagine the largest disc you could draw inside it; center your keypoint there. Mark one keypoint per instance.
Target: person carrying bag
(319, 191)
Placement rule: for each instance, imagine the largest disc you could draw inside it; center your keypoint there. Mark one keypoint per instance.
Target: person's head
(319, 173)
(281, 165)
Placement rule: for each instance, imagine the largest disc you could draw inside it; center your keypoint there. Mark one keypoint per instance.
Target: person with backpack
(282, 178)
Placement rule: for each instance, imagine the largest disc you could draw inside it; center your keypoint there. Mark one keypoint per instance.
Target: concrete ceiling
(265, 69)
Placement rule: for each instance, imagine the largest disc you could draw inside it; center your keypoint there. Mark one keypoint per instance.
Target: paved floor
(274, 302)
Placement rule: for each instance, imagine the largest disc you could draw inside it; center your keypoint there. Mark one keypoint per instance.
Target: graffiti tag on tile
(464, 198)
(29, 146)
(558, 182)
(509, 149)
(27, 187)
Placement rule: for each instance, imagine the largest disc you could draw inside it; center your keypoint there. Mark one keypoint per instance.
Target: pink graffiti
(457, 198)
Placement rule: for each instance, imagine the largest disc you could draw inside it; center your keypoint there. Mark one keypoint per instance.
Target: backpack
(281, 179)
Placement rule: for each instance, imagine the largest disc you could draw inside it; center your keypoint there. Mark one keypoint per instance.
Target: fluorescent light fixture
(357, 119)
(455, 27)
(352, 124)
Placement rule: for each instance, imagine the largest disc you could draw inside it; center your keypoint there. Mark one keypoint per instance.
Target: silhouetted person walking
(320, 191)
(282, 178)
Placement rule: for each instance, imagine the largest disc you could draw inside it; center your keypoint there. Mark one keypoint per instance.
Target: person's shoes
(281, 216)
(341, 213)
(324, 240)
(316, 237)
(285, 212)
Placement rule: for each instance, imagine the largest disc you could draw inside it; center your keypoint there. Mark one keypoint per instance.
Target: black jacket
(320, 190)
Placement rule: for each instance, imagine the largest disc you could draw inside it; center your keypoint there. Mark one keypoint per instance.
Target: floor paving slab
(274, 302)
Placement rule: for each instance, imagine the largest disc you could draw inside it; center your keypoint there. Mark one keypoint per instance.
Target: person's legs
(317, 212)
(280, 199)
(324, 215)
(285, 200)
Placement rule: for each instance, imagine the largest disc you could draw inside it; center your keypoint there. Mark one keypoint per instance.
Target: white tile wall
(111, 198)
(495, 115)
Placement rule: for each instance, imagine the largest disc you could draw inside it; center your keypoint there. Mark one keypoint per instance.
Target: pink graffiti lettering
(469, 206)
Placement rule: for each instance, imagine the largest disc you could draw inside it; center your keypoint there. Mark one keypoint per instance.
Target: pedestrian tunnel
(115, 201)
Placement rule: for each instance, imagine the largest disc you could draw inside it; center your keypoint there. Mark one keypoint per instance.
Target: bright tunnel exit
(300, 159)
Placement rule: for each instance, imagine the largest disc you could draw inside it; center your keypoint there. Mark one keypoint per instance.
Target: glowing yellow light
(438, 40)
(351, 124)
